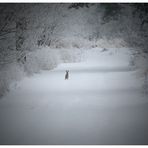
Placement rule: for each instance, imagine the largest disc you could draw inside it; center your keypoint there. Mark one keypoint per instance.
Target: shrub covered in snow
(36, 60)
(8, 74)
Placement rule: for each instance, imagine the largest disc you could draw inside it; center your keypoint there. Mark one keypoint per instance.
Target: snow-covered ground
(101, 103)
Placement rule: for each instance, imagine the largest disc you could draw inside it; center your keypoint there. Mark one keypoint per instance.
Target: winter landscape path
(96, 105)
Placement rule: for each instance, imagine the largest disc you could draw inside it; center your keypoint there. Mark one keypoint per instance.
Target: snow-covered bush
(8, 74)
(46, 58)
(141, 62)
(41, 59)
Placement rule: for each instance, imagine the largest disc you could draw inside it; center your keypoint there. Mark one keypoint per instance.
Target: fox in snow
(67, 75)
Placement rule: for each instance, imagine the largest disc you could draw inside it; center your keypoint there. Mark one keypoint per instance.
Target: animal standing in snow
(67, 75)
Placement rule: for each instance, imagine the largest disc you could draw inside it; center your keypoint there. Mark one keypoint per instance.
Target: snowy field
(101, 103)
